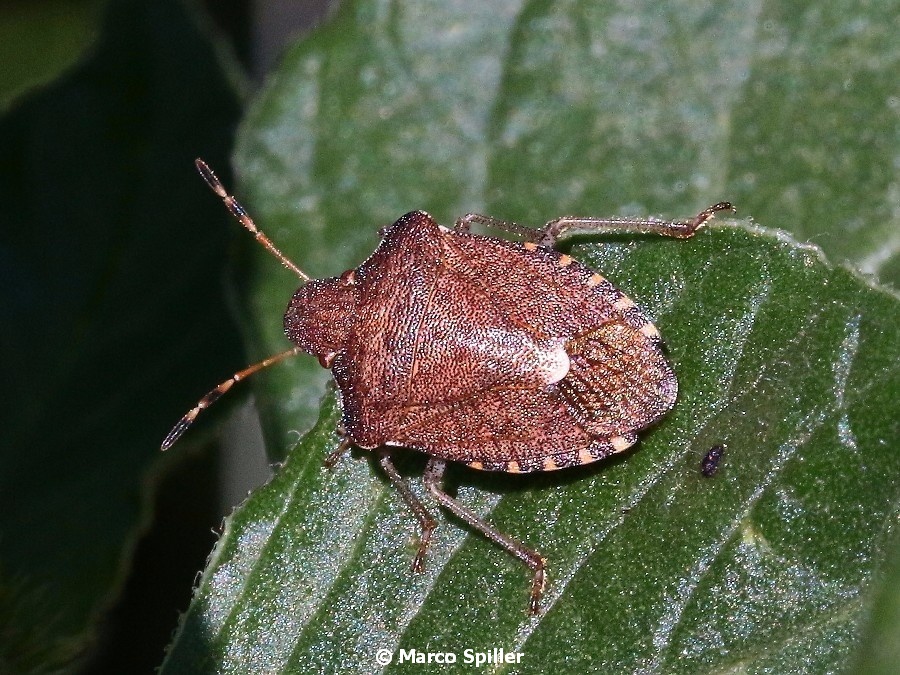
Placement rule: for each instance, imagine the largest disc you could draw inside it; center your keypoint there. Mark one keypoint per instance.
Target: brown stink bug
(500, 355)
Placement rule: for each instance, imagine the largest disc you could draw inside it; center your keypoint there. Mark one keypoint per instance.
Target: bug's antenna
(238, 212)
(216, 393)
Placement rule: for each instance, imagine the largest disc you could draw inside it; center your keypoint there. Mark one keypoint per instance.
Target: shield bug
(503, 356)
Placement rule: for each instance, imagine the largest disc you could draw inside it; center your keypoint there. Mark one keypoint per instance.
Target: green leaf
(111, 255)
(789, 360)
(790, 363)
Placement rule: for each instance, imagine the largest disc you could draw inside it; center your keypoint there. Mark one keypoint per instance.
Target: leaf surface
(526, 113)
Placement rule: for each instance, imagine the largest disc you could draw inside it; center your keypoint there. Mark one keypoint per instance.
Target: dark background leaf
(565, 108)
(112, 312)
(38, 40)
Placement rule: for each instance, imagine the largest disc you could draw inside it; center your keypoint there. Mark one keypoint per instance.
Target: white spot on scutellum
(553, 364)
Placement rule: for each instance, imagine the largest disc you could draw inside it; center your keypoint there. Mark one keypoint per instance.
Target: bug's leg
(433, 477)
(681, 229)
(555, 229)
(335, 455)
(426, 522)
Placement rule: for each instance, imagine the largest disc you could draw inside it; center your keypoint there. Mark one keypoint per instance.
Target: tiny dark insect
(710, 462)
(499, 355)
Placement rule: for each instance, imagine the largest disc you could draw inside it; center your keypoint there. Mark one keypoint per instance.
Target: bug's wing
(503, 429)
(616, 386)
(618, 381)
(550, 293)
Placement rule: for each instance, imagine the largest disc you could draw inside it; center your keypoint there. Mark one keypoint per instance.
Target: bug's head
(320, 315)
